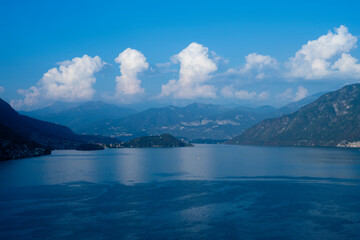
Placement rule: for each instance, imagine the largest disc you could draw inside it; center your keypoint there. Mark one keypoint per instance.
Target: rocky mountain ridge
(331, 120)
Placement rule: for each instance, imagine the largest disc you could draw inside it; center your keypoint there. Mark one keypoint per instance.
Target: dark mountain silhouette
(42, 132)
(13, 146)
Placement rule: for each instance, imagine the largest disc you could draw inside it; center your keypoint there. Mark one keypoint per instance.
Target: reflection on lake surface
(202, 162)
(232, 192)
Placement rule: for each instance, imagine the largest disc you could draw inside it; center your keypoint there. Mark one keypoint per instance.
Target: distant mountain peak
(6, 111)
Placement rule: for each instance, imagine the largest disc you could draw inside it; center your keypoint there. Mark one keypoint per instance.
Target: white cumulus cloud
(257, 66)
(347, 66)
(320, 58)
(71, 81)
(300, 93)
(229, 92)
(132, 62)
(289, 95)
(259, 62)
(195, 69)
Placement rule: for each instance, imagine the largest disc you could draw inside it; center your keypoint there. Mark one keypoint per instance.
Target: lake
(201, 192)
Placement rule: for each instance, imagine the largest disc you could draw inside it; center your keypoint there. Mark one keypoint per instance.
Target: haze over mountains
(80, 116)
(193, 122)
(331, 120)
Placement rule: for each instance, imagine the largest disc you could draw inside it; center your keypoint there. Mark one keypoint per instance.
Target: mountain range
(195, 122)
(204, 121)
(331, 120)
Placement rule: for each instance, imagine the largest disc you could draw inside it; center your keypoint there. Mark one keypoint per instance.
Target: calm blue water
(203, 192)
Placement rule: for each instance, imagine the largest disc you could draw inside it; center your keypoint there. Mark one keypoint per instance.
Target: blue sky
(40, 35)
